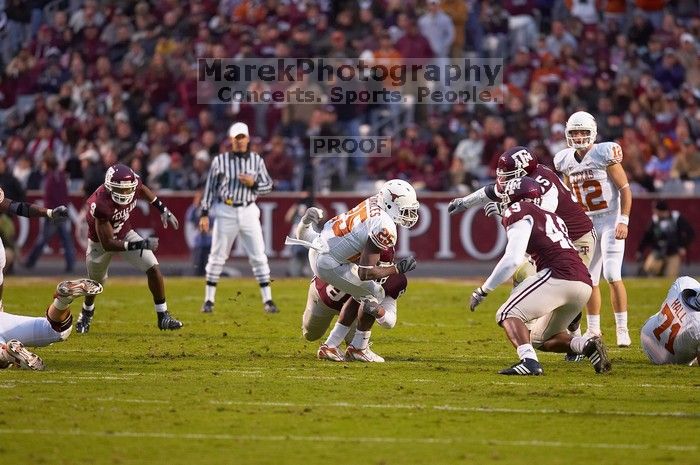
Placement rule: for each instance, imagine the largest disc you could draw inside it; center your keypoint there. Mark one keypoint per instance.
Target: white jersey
(589, 180)
(673, 334)
(346, 235)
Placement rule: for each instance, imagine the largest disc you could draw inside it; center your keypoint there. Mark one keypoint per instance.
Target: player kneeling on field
(324, 302)
(17, 331)
(539, 309)
(672, 335)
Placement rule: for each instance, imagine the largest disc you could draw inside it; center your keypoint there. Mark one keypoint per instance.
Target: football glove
(405, 265)
(167, 217)
(371, 308)
(493, 209)
(478, 296)
(456, 206)
(312, 216)
(58, 214)
(150, 243)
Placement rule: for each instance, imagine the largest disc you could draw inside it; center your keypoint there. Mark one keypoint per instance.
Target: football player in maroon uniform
(29, 210)
(110, 233)
(539, 310)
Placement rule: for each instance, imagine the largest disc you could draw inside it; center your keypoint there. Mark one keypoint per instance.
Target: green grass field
(243, 387)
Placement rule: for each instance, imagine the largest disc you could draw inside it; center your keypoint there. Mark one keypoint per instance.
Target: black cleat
(208, 307)
(82, 326)
(525, 367)
(165, 321)
(595, 351)
(270, 307)
(572, 357)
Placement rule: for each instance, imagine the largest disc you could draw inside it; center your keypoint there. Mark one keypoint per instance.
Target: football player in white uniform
(597, 179)
(346, 254)
(672, 335)
(16, 331)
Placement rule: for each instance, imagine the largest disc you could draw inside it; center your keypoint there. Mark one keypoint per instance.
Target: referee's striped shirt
(223, 184)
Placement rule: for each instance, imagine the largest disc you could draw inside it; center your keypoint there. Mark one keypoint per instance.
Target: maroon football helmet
(515, 163)
(518, 189)
(121, 183)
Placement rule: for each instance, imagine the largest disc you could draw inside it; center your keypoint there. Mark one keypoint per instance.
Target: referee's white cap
(237, 129)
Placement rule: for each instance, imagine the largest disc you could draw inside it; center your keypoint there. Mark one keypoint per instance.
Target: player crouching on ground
(324, 302)
(17, 331)
(345, 255)
(539, 310)
(672, 335)
(110, 233)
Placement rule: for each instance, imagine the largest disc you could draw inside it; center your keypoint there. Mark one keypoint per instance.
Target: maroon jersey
(576, 220)
(101, 206)
(334, 298)
(549, 244)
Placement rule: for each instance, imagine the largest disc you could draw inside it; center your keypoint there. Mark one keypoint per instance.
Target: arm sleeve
(210, 188)
(478, 198)
(263, 180)
(518, 237)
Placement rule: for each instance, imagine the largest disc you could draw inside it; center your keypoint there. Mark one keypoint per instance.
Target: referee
(234, 181)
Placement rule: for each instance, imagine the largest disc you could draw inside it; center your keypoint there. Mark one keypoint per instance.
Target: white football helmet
(399, 200)
(581, 121)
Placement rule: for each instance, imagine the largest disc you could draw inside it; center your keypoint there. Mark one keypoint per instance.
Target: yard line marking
(344, 439)
(453, 408)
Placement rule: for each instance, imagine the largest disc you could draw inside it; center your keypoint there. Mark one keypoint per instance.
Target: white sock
(2, 307)
(593, 324)
(621, 320)
(160, 308)
(209, 293)
(89, 308)
(337, 335)
(266, 293)
(361, 339)
(527, 351)
(577, 344)
(62, 303)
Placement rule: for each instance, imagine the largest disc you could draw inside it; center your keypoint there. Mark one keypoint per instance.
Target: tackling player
(110, 233)
(345, 255)
(17, 331)
(324, 302)
(594, 173)
(539, 310)
(672, 335)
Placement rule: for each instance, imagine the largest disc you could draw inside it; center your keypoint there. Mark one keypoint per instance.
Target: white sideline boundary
(342, 439)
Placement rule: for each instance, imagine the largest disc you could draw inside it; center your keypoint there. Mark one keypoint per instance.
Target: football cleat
(326, 352)
(595, 351)
(572, 357)
(21, 357)
(623, 337)
(208, 306)
(82, 326)
(362, 355)
(165, 321)
(525, 367)
(270, 307)
(78, 287)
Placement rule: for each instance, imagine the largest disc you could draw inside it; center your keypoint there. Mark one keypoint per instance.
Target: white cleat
(326, 352)
(623, 338)
(362, 355)
(78, 287)
(21, 357)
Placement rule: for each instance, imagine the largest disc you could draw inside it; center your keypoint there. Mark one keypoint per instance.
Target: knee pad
(612, 270)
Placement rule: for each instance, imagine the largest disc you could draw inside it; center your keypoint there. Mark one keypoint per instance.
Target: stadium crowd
(90, 83)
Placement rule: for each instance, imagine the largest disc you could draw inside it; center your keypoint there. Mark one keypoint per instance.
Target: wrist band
(624, 219)
(49, 212)
(624, 187)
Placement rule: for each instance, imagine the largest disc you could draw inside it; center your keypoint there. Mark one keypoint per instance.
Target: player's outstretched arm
(166, 216)
(619, 178)
(478, 198)
(30, 210)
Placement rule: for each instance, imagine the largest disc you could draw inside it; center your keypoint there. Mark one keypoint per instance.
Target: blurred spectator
(466, 162)
(686, 164)
(93, 171)
(659, 167)
(202, 240)
(55, 189)
(280, 164)
(668, 237)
